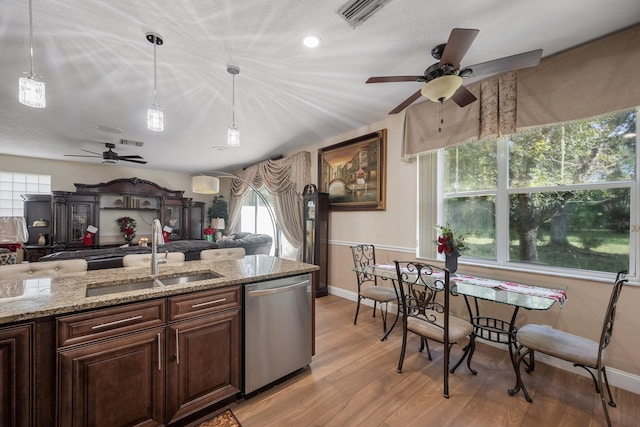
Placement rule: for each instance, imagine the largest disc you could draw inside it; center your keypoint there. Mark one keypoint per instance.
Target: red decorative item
(166, 231)
(87, 239)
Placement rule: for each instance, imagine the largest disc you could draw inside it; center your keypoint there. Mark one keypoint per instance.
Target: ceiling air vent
(356, 12)
(131, 142)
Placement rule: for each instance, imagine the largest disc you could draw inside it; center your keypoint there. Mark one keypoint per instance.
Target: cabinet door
(82, 216)
(114, 382)
(173, 218)
(15, 376)
(37, 215)
(204, 362)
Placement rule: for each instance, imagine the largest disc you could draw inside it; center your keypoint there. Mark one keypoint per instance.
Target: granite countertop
(30, 298)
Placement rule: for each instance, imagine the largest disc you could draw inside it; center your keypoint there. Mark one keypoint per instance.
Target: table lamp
(218, 225)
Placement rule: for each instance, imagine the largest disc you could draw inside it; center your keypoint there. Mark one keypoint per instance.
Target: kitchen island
(152, 356)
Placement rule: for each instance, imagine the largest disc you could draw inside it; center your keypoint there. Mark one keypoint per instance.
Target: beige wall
(394, 233)
(64, 174)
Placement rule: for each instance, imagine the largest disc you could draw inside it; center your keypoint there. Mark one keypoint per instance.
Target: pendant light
(31, 91)
(155, 116)
(233, 134)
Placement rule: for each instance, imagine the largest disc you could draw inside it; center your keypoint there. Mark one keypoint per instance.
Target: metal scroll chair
(424, 295)
(580, 351)
(364, 255)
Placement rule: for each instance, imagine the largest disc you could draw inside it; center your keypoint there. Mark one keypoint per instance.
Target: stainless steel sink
(189, 278)
(106, 288)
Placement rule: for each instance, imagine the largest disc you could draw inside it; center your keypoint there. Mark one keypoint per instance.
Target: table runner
(556, 294)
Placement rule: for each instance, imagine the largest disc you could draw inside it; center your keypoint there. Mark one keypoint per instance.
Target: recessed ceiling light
(108, 129)
(311, 41)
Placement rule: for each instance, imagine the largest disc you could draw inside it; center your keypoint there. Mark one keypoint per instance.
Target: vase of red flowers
(127, 228)
(208, 234)
(451, 246)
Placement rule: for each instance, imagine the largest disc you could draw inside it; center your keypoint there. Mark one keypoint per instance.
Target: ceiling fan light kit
(444, 78)
(442, 88)
(233, 134)
(155, 115)
(31, 90)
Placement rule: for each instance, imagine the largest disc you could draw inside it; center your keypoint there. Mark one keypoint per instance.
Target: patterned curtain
(284, 179)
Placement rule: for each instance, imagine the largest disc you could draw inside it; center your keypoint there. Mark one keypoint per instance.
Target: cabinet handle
(215, 301)
(115, 322)
(177, 348)
(159, 353)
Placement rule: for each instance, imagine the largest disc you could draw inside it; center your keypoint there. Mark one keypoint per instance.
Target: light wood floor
(352, 381)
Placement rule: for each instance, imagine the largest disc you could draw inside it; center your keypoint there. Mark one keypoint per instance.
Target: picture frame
(353, 172)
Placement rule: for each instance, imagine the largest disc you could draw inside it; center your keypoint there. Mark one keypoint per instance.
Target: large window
(554, 197)
(14, 184)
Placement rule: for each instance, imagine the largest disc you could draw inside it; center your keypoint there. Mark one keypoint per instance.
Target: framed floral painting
(353, 172)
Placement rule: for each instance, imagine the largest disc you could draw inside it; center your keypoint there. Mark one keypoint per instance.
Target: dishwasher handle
(281, 289)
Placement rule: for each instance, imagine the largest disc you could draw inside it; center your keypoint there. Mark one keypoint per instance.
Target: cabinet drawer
(204, 302)
(79, 328)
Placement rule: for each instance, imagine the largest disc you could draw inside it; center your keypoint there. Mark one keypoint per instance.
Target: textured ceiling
(98, 68)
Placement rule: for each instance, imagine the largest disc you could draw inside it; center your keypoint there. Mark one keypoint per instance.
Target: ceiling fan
(444, 78)
(110, 156)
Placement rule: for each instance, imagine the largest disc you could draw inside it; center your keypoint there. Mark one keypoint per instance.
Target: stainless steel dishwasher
(277, 328)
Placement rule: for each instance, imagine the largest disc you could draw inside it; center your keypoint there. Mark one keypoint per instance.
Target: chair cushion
(379, 293)
(458, 328)
(144, 260)
(222, 254)
(43, 269)
(560, 344)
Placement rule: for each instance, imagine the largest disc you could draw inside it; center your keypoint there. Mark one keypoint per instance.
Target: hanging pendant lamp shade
(203, 184)
(233, 134)
(31, 90)
(155, 115)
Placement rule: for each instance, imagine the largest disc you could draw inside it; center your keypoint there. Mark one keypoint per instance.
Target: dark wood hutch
(68, 214)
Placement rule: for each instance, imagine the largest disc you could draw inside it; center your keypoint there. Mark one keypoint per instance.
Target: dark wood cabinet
(16, 376)
(316, 235)
(118, 382)
(38, 217)
(112, 367)
(63, 217)
(204, 362)
(203, 350)
(149, 363)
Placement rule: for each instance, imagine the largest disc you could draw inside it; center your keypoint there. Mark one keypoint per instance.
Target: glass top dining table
(475, 288)
(511, 293)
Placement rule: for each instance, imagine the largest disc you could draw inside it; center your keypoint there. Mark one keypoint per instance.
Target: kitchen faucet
(156, 235)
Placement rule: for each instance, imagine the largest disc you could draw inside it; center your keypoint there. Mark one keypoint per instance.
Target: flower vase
(209, 237)
(451, 262)
(129, 237)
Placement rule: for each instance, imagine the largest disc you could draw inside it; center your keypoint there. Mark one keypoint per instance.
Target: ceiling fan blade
(389, 79)
(129, 157)
(92, 152)
(81, 155)
(508, 63)
(142, 162)
(463, 97)
(406, 102)
(457, 46)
